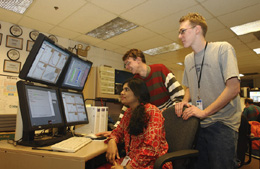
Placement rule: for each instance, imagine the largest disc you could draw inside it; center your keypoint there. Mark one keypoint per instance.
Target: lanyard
(201, 65)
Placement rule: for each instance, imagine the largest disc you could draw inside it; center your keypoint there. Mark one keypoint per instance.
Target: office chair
(181, 136)
(244, 145)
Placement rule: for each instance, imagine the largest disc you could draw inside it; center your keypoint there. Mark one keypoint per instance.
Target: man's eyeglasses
(182, 31)
(127, 63)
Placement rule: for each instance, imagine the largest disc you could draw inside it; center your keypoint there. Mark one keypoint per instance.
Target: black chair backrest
(180, 134)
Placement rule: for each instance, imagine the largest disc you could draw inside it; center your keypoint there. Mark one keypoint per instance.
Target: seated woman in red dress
(141, 128)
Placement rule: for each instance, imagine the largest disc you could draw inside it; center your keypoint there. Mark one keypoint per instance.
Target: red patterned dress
(146, 147)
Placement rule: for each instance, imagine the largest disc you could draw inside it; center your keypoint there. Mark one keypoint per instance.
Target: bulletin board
(8, 95)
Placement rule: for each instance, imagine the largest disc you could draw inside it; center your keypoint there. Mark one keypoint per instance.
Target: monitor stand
(27, 138)
(19, 126)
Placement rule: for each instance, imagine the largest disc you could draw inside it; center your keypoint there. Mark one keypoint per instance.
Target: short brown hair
(196, 19)
(249, 101)
(134, 53)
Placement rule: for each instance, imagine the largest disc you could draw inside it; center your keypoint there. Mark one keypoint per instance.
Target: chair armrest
(254, 138)
(175, 156)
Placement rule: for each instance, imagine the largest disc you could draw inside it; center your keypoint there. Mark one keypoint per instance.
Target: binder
(103, 122)
(98, 121)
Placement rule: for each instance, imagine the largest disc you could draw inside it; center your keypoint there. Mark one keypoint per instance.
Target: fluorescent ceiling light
(241, 75)
(180, 63)
(18, 6)
(257, 50)
(112, 28)
(163, 49)
(246, 28)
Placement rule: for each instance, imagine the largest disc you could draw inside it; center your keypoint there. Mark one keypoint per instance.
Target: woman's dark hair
(139, 119)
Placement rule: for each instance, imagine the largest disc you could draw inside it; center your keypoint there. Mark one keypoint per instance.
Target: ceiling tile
(132, 36)
(117, 6)
(121, 50)
(150, 43)
(235, 41)
(248, 38)
(254, 45)
(64, 32)
(220, 35)
(87, 18)
(242, 16)
(35, 24)
(171, 22)
(44, 10)
(214, 25)
(87, 39)
(154, 9)
(9, 16)
(221, 7)
(106, 45)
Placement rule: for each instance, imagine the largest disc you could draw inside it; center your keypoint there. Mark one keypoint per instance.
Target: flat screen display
(74, 108)
(45, 62)
(40, 106)
(255, 95)
(76, 74)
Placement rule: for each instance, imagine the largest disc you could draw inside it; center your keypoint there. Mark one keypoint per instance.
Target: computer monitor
(120, 77)
(40, 108)
(255, 95)
(76, 74)
(45, 62)
(73, 107)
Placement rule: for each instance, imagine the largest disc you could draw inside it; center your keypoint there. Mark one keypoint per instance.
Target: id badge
(125, 160)
(199, 104)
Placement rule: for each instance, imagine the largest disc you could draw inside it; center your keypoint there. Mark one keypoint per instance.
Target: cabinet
(94, 90)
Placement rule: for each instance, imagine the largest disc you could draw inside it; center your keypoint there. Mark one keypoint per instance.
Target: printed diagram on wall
(8, 95)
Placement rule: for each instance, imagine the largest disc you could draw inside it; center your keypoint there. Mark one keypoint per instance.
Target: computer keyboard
(71, 144)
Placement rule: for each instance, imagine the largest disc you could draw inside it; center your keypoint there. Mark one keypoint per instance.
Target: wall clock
(33, 35)
(16, 30)
(53, 38)
(13, 54)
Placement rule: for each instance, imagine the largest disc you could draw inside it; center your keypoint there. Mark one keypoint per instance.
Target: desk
(21, 157)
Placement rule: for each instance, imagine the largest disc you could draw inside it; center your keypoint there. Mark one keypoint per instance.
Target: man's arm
(174, 88)
(231, 90)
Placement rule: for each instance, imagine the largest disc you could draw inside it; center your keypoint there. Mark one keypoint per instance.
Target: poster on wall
(8, 95)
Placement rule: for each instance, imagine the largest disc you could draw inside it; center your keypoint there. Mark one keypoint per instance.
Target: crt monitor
(45, 62)
(76, 74)
(255, 95)
(40, 108)
(73, 107)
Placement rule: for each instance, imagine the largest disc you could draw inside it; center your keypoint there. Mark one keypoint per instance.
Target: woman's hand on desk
(105, 133)
(112, 151)
(116, 166)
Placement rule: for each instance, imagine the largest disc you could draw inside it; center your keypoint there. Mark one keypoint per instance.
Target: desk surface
(91, 150)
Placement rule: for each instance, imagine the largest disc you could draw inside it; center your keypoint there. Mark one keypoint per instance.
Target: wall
(97, 55)
(257, 82)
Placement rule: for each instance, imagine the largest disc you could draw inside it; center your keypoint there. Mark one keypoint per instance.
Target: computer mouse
(91, 135)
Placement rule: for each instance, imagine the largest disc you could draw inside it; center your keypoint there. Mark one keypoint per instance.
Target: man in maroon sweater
(164, 89)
